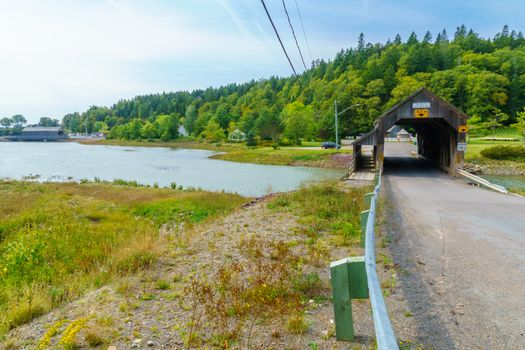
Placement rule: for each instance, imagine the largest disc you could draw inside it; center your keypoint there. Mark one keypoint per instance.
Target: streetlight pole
(337, 120)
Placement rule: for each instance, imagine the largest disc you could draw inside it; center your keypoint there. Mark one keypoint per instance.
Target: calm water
(149, 165)
(508, 181)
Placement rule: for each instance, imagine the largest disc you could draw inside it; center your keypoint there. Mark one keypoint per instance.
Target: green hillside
(483, 77)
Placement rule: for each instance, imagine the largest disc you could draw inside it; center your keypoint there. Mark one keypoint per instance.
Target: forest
(484, 77)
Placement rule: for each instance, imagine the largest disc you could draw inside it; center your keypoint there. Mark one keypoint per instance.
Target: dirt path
(144, 311)
(461, 250)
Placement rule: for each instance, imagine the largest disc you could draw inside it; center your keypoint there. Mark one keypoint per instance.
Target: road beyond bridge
(461, 256)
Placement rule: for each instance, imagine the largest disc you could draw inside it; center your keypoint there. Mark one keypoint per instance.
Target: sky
(61, 56)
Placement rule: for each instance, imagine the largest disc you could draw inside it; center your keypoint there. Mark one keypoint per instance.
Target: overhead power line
(304, 32)
(293, 32)
(278, 37)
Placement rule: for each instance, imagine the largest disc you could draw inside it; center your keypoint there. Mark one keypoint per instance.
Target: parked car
(330, 144)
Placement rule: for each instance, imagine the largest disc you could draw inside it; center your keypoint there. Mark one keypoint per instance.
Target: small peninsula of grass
(241, 153)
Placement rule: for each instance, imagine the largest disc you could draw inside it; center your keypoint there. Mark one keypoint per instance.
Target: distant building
(403, 135)
(397, 133)
(182, 131)
(41, 133)
(392, 132)
(237, 136)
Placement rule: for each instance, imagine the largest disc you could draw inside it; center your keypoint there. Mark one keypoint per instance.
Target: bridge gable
(424, 101)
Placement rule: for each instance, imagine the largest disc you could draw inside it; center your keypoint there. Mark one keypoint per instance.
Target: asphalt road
(461, 256)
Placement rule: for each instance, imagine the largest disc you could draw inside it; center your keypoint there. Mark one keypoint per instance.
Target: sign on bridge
(417, 105)
(421, 113)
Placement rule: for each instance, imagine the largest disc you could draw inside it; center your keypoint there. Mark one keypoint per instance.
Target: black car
(330, 144)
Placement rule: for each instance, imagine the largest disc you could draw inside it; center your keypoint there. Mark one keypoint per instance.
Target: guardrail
(386, 339)
(356, 278)
(482, 182)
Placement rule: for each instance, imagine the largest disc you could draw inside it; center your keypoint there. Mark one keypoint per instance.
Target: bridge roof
(403, 110)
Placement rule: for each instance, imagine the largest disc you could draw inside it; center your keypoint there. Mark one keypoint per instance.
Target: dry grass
(59, 240)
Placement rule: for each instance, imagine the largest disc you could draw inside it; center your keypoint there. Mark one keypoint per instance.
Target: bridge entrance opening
(439, 126)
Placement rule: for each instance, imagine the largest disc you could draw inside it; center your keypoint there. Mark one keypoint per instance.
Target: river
(507, 181)
(70, 161)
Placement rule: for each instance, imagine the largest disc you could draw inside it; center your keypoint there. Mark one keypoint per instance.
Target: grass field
(58, 241)
(476, 144)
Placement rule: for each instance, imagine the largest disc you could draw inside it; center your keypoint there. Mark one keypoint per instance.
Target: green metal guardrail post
(364, 220)
(348, 277)
(368, 198)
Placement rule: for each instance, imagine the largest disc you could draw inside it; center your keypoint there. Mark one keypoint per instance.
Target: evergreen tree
(397, 40)
(412, 39)
(428, 38)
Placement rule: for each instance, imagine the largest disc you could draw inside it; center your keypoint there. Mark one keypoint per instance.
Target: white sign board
(420, 105)
(462, 147)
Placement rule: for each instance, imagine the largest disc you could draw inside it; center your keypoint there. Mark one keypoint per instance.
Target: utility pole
(336, 126)
(337, 120)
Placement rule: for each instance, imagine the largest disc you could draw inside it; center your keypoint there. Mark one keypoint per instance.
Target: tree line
(15, 124)
(483, 77)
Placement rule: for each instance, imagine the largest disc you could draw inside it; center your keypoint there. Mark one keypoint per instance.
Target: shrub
(515, 152)
(285, 142)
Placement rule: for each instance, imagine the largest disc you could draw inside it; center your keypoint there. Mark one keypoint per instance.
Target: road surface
(461, 256)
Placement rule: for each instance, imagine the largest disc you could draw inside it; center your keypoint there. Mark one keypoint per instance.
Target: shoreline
(328, 159)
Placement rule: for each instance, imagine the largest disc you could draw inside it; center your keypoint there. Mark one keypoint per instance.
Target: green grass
(503, 132)
(59, 240)
(326, 208)
(282, 156)
(479, 143)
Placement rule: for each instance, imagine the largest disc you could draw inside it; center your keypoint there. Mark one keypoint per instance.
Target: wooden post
(348, 277)
(364, 220)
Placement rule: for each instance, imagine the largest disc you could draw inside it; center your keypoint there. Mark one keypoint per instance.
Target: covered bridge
(441, 131)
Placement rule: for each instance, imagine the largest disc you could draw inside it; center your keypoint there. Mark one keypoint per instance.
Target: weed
(308, 284)
(313, 345)
(93, 339)
(147, 296)
(268, 286)
(53, 330)
(176, 278)
(69, 337)
(10, 344)
(162, 285)
(296, 324)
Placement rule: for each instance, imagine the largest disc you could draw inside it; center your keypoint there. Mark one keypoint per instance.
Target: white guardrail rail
(482, 182)
(386, 339)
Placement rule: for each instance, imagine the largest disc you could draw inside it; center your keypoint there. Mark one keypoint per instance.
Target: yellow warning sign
(421, 113)
(463, 128)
